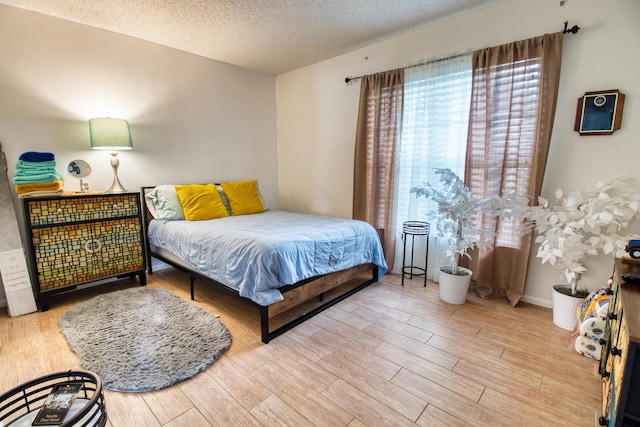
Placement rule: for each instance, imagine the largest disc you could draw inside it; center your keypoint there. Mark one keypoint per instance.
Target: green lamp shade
(110, 134)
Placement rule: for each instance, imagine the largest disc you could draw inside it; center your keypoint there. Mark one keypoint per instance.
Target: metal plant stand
(413, 229)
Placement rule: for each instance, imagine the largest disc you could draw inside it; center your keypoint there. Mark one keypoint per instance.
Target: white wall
(192, 119)
(317, 111)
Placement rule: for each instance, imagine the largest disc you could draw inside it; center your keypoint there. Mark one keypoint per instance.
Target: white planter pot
(454, 288)
(564, 309)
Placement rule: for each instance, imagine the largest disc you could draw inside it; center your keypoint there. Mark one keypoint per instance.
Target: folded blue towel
(24, 165)
(36, 156)
(35, 178)
(31, 172)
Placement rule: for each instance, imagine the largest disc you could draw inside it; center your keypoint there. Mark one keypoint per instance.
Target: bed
(277, 260)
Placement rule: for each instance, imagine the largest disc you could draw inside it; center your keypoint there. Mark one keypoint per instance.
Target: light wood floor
(387, 356)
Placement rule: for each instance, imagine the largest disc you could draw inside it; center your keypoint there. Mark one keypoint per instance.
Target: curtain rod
(566, 30)
(431, 61)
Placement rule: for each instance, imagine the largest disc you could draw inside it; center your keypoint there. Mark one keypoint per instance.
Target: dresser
(82, 238)
(620, 358)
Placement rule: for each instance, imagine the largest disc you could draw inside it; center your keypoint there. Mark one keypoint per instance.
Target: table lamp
(113, 135)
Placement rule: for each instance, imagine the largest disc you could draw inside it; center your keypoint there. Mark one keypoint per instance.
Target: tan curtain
(513, 101)
(379, 124)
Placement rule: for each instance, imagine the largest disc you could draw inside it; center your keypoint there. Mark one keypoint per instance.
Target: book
(57, 404)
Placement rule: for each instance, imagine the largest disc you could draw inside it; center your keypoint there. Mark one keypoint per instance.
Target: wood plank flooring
(387, 356)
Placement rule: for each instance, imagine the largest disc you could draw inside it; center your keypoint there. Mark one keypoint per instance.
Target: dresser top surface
(75, 195)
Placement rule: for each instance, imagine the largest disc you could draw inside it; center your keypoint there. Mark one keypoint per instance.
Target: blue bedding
(257, 254)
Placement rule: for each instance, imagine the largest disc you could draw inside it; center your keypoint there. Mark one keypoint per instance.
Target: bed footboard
(314, 288)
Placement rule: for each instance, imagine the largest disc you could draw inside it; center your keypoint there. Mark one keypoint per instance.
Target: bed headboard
(146, 219)
(146, 213)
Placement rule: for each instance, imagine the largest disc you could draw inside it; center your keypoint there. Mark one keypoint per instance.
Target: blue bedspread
(257, 254)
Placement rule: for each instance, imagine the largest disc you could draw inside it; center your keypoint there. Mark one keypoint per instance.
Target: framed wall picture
(599, 113)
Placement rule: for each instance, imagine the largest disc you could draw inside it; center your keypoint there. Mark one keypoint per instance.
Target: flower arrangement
(457, 213)
(573, 226)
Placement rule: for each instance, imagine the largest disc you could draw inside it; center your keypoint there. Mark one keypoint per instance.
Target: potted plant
(573, 226)
(456, 218)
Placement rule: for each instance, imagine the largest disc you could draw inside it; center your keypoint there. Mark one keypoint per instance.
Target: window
(488, 119)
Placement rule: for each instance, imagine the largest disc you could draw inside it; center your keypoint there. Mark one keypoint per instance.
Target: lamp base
(116, 187)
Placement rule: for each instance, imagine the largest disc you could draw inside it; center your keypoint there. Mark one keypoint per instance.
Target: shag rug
(143, 339)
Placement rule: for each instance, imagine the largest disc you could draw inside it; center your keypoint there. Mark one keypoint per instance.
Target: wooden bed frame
(294, 295)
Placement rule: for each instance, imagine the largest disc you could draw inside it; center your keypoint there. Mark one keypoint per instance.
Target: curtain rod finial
(572, 30)
(349, 80)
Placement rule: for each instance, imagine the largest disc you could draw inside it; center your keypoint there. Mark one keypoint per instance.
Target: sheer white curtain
(435, 120)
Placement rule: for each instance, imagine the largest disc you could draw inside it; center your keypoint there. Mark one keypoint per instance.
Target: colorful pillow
(244, 197)
(200, 202)
(166, 203)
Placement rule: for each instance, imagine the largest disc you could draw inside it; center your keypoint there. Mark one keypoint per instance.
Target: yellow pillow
(243, 197)
(200, 201)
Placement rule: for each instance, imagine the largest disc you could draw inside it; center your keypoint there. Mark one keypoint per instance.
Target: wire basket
(20, 405)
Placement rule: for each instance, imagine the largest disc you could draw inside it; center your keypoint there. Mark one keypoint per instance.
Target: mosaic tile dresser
(620, 357)
(83, 238)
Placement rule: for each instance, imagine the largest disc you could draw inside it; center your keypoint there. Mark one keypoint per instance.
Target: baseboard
(537, 301)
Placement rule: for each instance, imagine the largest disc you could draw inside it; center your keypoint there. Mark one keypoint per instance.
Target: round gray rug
(143, 339)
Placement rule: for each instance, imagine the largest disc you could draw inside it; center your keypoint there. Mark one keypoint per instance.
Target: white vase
(453, 287)
(564, 308)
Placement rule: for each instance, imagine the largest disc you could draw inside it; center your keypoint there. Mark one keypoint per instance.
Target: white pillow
(166, 203)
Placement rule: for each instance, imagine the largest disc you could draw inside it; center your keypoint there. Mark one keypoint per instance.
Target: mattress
(259, 253)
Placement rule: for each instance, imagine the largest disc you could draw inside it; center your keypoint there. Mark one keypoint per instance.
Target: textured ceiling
(270, 36)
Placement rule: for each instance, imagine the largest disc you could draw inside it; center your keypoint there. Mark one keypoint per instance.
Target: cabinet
(79, 239)
(620, 358)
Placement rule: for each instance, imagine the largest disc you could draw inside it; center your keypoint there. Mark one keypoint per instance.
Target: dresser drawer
(79, 209)
(84, 252)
